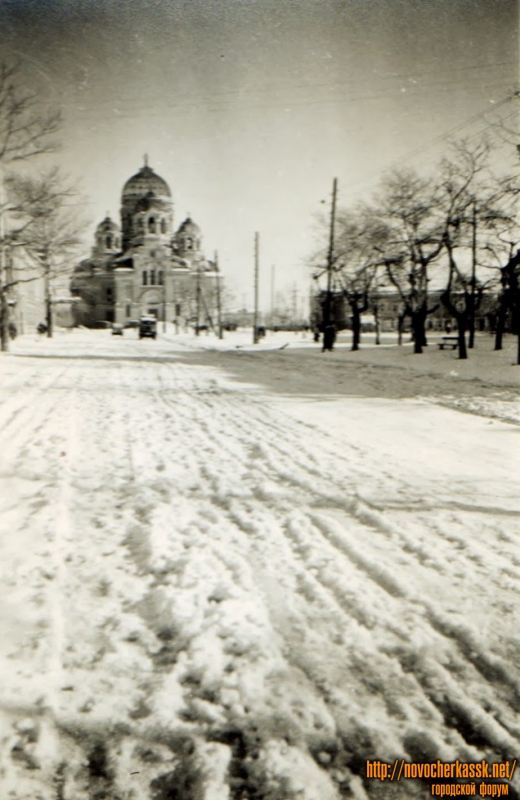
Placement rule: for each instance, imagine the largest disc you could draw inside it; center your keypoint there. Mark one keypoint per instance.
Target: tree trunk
(422, 330)
(377, 324)
(516, 329)
(356, 329)
(418, 331)
(501, 324)
(4, 321)
(48, 312)
(472, 314)
(461, 330)
(400, 326)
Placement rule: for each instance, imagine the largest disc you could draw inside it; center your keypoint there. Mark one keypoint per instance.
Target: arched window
(164, 226)
(109, 241)
(151, 225)
(152, 277)
(160, 277)
(145, 278)
(189, 244)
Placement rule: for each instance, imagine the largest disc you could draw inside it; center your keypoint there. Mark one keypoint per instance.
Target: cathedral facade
(145, 266)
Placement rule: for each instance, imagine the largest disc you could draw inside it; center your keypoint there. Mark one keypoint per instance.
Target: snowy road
(212, 591)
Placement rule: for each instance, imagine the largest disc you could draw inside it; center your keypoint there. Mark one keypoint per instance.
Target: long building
(144, 266)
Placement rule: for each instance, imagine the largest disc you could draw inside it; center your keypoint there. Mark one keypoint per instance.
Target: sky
(250, 108)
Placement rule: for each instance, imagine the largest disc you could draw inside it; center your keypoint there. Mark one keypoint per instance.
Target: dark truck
(148, 327)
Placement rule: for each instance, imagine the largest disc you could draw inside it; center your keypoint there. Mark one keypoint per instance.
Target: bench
(449, 341)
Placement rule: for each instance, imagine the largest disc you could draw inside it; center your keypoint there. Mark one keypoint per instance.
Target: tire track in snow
(491, 668)
(387, 582)
(218, 453)
(15, 435)
(247, 528)
(489, 671)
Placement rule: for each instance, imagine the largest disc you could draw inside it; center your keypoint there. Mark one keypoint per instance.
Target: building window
(145, 278)
(151, 224)
(128, 311)
(110, 294)
(189, 244)
(164, 227)
(160, 277)
(152, 277)
(109, 241)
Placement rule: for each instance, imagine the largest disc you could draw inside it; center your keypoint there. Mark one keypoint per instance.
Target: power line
(129, 112)
(444, 136)
(449, 71)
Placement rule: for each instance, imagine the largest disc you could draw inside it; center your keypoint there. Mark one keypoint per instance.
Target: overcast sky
(249, 108)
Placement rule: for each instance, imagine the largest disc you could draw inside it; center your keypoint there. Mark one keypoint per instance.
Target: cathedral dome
(107, 226)
(189, 227)
(108, 236)
(144, 182)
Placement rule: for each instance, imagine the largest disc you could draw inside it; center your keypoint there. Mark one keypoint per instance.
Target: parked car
(117, 330)
(132, 323)
(147, 327)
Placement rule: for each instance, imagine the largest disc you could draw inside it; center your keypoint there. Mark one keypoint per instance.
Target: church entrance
(150, 303)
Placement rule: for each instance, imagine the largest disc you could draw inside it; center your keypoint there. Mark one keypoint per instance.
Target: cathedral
(145, 267)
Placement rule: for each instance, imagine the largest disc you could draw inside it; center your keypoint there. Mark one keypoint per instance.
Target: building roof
(144, 182)
(189, 227)
(107, 225)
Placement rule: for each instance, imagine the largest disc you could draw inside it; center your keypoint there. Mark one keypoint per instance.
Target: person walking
(329, 337)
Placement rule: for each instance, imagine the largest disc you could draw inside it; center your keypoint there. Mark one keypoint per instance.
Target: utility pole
(164, 273)
(471, 341)
(330, 258)
(295, 304)
(197, 301)
(255, 316)
(4, 338)
(272, 295)
(4, 307)
(219, 307)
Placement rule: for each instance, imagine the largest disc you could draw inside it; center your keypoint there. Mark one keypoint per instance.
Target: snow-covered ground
(230, 573)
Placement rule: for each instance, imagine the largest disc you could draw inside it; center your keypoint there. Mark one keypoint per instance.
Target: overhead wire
(445, 136)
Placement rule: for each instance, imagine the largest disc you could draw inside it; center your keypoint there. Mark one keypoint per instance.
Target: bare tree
(360, 238)
(26, 131)
(433, 226)
(504, 250)
(408, 208)
(46, 229)
(473, 199)
(460, 195)
(508, 301)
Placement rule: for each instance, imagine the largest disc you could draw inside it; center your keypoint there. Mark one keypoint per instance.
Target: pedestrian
(329, 337)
